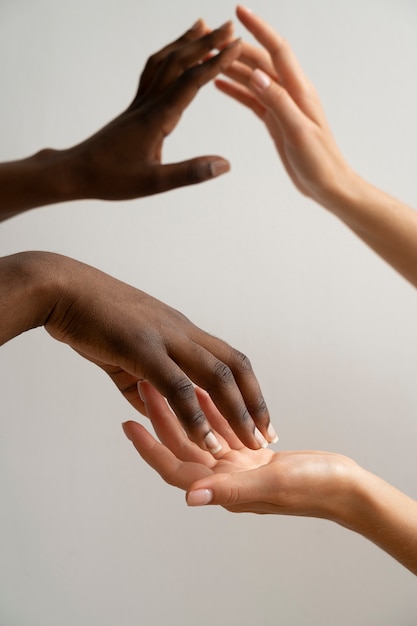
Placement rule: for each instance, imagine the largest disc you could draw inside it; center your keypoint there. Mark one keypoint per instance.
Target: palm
(176, 458)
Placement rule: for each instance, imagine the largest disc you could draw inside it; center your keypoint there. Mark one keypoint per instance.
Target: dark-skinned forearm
(27, 292)
(41, 179)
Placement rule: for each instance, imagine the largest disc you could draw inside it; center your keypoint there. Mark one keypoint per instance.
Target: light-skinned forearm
(381, 513)
(386, 224)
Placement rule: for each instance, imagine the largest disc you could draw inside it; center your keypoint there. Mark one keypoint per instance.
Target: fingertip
(127, 429)
(241, 11)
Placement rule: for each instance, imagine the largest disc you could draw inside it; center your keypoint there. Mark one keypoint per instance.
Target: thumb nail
(199, 497)
(219, 167)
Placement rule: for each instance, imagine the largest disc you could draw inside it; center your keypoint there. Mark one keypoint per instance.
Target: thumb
(229, 489)
(190, 172)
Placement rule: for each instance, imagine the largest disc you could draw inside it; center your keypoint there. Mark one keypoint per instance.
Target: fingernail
(260, 79)
(124, 430)
(272, 435)
(212, 443)
(139, 386)
(199, 497)
(219, 167)
(260, 438)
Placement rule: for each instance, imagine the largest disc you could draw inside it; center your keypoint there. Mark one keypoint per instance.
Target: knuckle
(197, 419)
(182, 390)
(245, 418)
(259, 411)
(280, 46)
(241, 361)
(234, 495)
(260, 406)
(222, 373)
(192, 76)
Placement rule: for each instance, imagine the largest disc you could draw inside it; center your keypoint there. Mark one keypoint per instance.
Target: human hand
(270, 82)
(133, 336)
(123, 160)
(313, 484)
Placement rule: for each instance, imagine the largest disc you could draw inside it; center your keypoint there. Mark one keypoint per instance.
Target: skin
(123, 160)
(302, 483)
(126, 332)
(269, 81)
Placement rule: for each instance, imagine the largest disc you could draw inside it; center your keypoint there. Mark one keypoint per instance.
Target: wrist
(29, 288)
(347, 498)
(47, 177)
(57, 179)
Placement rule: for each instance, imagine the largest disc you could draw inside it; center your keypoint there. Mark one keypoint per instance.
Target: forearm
(28, 288)
(384, 515)
(387, 225)
(45, 178)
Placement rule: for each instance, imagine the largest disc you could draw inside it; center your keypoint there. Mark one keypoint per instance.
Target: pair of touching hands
(303, 483)
(269, 81)
(131, 335)
(128, 333)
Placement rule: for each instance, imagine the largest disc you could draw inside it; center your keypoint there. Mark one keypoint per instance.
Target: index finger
(283, 58)
(287, 67)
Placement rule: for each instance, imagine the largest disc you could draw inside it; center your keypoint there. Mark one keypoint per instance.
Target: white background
(88, 534)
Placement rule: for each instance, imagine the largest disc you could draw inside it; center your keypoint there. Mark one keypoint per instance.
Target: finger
(155, 61)
(182, 58)
(289, 117)
(128, 386)
(168, 429)
(285, 63)
(173, 383)
(254, 57)
(241, 95)
(191, 172)
(228, 377)
(152, 451)
(217, 421)
(167, 109)
(283, 59)
(161, 459)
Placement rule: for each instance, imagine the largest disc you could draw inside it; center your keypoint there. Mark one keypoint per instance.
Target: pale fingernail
(272, 435)
(219, 167)
(260, 438)
(260, 79)
(125, 431)
(199, 497)
(139, 386)
(212, 443)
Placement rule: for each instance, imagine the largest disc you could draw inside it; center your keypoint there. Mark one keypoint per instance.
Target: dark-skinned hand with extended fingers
(123, 330)
(123, 160)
